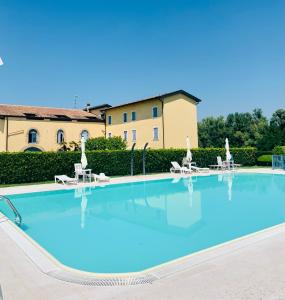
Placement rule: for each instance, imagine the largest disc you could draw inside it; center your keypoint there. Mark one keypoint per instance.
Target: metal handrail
(144, 150)
(18, 218)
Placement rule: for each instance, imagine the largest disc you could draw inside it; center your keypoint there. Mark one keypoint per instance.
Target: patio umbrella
(83, 156)
(228, 154)
(189, 154)
(1, 62)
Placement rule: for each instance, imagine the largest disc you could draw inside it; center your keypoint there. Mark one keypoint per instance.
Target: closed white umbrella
(189, 154)
(83, 155)
(1, 62)
(228, 153)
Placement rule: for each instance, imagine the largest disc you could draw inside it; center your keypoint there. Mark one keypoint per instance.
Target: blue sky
(229, 53)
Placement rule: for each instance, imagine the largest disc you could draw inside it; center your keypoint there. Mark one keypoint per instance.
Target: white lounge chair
(64, 179)
(220, 165)
(101, 177)
(197, 169)
(176, 168)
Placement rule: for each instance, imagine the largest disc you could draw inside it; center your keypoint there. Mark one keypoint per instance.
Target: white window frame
(59, 132)
(83, 131)
(154, 137)
(125, 135)
(134, 131)
(153, 113)
(36, 136)
(132, 116)
(125, 114)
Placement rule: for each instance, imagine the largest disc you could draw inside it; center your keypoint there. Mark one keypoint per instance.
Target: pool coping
(52, 267)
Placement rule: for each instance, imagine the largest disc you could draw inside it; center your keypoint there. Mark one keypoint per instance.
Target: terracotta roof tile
(45, 112)
(197, 100)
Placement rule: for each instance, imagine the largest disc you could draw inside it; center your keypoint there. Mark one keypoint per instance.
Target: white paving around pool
(252, 268)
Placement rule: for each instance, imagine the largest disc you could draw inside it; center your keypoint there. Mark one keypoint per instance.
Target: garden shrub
(264, 160)
(102, 143)
(24, 167)
(279, 150)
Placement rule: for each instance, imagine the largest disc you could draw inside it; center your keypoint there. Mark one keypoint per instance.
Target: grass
(23, 184)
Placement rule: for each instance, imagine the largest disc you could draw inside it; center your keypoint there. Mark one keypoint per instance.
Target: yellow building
(163, 122)
(44, 129)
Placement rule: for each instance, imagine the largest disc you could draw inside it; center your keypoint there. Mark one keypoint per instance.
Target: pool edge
(47, 264)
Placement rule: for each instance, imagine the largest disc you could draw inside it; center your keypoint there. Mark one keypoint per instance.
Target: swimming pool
(134, 226)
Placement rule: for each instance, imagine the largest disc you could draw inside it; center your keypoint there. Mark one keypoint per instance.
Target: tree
(102, 143)
(99, 143)
(277, 123)
(243, 129)
(212, 132)
(116, 143)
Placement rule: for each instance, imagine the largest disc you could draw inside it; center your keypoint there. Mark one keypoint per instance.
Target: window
(125, 117)
(134, 135)
(125, 135)
(63, 117)
(134, 115)
(29, 115)
(155, 112)
(60, 136)
(109, 120)
(110, 134)
(155, 134)
(85, 134)
(33, 136)
(32, 149)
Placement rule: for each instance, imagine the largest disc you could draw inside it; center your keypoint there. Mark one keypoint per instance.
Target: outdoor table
(86, 172)
(229, 164)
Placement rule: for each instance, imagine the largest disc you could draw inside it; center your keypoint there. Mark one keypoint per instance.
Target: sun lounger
(64, 179)
(101, 177)
(197, 169)
(176, 168)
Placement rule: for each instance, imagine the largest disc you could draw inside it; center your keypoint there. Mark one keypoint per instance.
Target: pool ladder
(18, 218)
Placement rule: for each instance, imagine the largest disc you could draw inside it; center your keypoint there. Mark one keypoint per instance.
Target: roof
(197, 100)
(38, 112)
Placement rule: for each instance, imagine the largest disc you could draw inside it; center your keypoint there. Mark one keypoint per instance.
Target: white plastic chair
(78, 170)
(177, 168)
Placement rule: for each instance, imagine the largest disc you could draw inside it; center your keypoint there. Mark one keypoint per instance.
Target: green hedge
(42, 166)
(279, 150)
(264, 160)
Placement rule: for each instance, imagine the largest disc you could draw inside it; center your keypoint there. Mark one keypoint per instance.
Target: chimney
(87, 106)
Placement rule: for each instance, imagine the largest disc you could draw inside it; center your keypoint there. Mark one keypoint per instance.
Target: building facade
(28, 128)
(163, 122)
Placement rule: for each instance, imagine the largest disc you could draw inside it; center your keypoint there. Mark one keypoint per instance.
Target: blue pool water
(134, 226)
